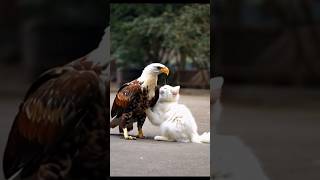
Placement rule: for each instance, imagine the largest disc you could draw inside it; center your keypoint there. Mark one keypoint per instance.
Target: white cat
(175, 120)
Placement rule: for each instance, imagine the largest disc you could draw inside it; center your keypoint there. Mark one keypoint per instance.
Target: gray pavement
(280, 127)
(141, 157)
(234, 160)
(146, 157)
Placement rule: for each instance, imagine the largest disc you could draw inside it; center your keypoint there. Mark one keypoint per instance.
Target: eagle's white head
(149, 77)
(155, 69)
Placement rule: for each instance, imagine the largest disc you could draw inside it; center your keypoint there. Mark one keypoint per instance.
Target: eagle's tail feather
(114, 122)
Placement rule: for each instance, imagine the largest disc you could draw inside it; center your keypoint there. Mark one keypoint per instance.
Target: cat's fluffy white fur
(175, 120)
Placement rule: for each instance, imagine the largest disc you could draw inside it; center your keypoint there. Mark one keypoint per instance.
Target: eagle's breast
(151, 92)
(149, 87)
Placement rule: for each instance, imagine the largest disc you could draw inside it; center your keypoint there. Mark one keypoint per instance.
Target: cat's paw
(161, 138)
(157, 138)
(196, 141)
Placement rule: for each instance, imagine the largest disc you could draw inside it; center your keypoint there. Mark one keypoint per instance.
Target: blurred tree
(172, 34)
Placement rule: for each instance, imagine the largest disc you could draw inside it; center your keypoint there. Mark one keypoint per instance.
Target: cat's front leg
(154, 118)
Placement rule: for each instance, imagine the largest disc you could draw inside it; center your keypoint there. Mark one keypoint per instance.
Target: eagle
(133, 98)
(60, 130)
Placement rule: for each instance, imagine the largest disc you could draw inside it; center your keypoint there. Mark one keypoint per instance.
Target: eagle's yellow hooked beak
(165, 70)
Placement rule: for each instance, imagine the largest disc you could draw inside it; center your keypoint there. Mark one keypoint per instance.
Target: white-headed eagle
(60, 131)
(133, 98)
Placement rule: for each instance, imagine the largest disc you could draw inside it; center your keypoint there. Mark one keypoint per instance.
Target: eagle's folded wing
(124, 98)
(52, 108)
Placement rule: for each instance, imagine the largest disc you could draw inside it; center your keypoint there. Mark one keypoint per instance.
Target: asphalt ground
(268, 132)
(140, 157)
(285, 141)
(280, 130)
(147, 157)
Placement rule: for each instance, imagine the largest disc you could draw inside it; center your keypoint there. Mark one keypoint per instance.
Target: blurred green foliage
(175, 34)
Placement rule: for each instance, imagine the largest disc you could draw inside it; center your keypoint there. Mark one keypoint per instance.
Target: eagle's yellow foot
(130, 138)
(126, 136)
(140, 134)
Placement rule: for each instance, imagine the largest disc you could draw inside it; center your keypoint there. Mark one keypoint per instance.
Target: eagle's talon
(130, 138)
(126, 136)
(140, 136)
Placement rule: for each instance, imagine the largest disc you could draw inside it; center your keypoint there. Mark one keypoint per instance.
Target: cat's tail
(203, 138)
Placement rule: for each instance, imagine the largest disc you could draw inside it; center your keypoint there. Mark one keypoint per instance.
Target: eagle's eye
(158, 67)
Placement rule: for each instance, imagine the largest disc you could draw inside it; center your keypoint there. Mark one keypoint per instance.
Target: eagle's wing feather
(124, 98)
(52, 107)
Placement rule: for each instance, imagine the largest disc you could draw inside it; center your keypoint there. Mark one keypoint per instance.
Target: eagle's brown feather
(50, 112)
(125, 97)
(43, 113)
